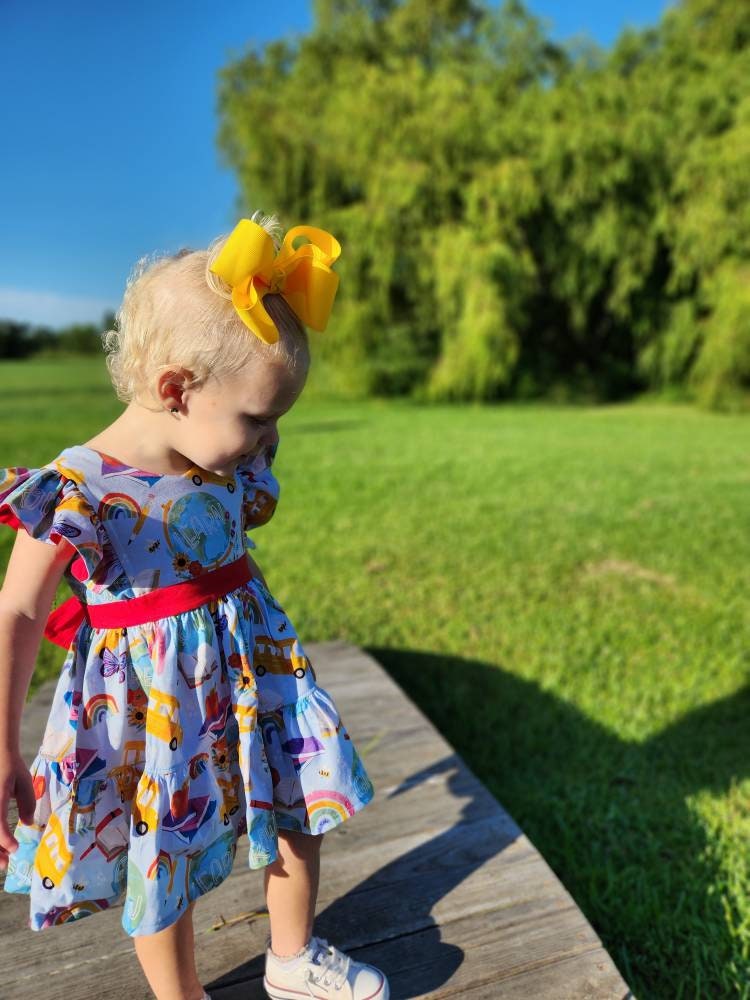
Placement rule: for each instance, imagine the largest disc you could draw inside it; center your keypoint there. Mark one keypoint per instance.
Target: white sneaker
(325, 973)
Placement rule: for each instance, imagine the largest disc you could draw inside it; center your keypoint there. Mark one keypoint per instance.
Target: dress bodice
(135, 531)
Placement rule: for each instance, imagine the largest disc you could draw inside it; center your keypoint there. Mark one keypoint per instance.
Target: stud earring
(173, 409)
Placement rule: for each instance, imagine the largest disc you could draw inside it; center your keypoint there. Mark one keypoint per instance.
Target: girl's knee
(298, 843)
(300, 837)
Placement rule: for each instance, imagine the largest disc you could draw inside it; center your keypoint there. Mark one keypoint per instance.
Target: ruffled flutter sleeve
(260, 489)
(49, 506)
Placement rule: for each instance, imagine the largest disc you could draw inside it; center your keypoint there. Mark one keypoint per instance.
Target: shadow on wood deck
(432, 882)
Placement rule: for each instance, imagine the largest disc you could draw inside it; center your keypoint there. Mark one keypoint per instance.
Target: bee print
(324, 774)
(153, 546)
(281, 627)
(78, 887)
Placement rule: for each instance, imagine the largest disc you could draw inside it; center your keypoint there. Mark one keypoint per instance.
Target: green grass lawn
(564, 592)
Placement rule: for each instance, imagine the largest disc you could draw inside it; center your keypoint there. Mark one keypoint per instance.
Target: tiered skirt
(166, 742)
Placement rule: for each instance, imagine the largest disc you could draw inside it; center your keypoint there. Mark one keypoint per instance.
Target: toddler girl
(186, 712)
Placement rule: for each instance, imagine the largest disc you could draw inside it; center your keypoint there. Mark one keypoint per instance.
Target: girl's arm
(31, 579)
(256, 570)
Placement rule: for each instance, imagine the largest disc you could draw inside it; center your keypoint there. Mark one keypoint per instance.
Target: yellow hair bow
(249, 263)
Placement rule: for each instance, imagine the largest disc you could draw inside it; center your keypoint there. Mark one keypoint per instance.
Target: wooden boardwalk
(432, 882)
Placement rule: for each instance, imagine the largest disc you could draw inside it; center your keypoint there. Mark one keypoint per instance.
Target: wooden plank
(433, 882)
(387, 864)
(464, 959)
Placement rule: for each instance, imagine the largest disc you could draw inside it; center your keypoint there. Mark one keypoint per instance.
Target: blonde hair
(177, 313)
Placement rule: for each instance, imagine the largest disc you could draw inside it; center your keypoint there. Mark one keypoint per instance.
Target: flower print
(240, 664)
(220, 754)
(137, 703)
(180, 562)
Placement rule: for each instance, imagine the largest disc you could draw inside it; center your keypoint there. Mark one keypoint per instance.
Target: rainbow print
(327, 808)
(117, 505)
(161, 866)
(97, 707)
(66, 914)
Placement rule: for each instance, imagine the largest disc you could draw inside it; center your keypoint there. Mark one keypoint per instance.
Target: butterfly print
(113, 664)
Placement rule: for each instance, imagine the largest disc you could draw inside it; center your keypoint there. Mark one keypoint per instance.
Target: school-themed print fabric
(167, 741)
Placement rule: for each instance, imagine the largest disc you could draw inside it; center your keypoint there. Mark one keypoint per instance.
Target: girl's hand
(15, 783)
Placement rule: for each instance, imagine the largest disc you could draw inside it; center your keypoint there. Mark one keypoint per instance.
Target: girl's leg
(168, 960)
(291, 886)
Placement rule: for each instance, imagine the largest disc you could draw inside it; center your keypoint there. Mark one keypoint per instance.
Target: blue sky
(108, 126)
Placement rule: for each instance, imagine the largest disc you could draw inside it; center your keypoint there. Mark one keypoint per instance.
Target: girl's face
(224, 420)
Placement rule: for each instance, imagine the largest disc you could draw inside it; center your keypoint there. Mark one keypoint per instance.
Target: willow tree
(517, 217)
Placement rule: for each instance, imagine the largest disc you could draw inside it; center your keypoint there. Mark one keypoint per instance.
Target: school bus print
(162, 718)
(127, 774)
(52, 855)
(246, 716)
(144, 813)
(279, 656)
(205, 476)
(258, 510)
(230, 788)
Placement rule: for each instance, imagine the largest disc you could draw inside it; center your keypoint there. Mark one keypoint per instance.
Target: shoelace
(330, 960)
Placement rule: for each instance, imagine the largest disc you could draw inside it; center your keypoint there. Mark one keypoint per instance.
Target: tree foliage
(23, 340)
(518, 218)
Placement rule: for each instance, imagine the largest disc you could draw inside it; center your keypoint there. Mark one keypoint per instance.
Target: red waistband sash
(64, 622)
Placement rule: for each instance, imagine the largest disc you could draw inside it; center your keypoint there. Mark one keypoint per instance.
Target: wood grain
(433, 882)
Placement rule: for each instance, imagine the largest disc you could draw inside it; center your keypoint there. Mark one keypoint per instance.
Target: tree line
(519, 218)
(25, 340)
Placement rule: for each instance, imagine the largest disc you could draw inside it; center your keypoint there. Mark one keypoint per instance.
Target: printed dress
(168, 740)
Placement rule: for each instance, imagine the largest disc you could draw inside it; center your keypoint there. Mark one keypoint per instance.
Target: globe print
(198, 524)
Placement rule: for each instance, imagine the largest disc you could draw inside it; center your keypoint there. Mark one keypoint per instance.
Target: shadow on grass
(608, 815)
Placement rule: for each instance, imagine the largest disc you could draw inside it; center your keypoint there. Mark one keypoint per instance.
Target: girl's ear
(171, 385)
